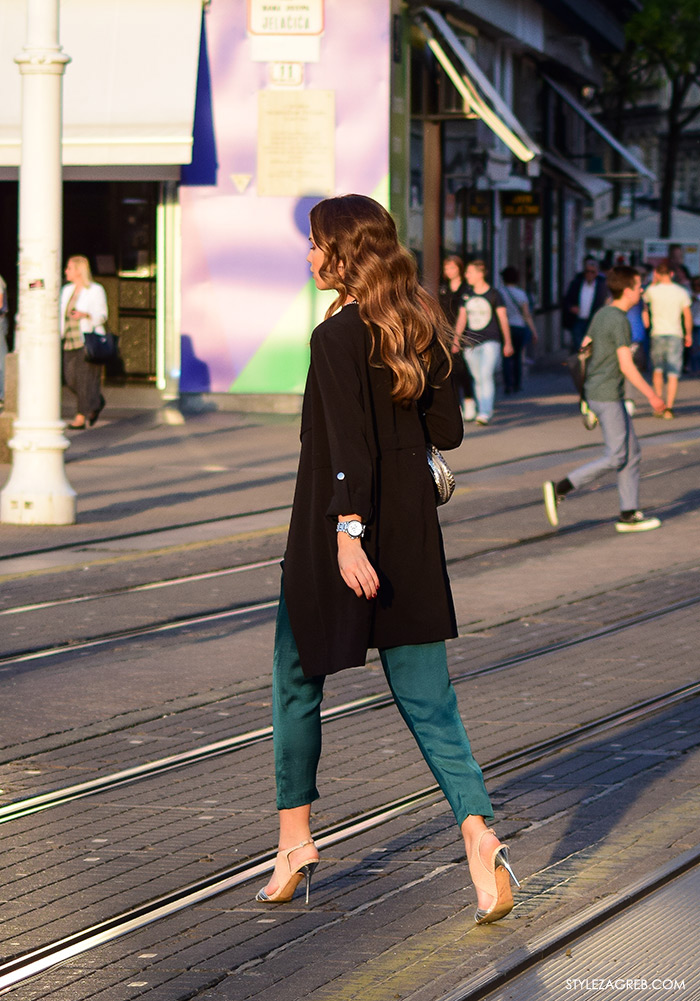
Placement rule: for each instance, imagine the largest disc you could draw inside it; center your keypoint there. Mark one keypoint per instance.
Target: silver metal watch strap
(342, 526)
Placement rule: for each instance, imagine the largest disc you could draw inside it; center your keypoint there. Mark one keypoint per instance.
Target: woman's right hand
(355, 567)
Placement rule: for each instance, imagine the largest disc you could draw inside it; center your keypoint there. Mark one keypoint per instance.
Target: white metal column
(37, 492)
(169, 262)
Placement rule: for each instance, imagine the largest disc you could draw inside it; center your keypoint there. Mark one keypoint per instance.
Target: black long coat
(600, 297)
(361, 454)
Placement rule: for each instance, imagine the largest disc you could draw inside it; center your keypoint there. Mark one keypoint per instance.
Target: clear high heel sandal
(493, 879)
(285, 891)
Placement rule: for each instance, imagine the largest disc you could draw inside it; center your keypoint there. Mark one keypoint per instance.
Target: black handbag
(443, 477)
(576, 364)
(100, 348)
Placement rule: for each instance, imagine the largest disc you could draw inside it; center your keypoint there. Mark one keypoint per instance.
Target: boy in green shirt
(609, 365)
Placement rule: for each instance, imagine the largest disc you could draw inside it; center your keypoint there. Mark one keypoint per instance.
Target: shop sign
(479, 204)
(285, 17)
(520, 203)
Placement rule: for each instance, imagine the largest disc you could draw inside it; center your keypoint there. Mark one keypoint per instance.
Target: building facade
(190, 166)
(512, 179)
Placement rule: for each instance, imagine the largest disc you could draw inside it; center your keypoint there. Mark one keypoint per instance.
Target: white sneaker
(589, 418)
(469, 410)
(550, 502)
(636, 523)
(482, 419)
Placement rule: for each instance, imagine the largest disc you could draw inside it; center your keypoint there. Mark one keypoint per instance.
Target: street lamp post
(38, 492)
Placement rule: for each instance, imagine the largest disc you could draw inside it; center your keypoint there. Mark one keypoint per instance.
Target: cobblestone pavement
(391, 912)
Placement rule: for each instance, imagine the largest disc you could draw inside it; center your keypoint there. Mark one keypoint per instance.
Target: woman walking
(482, 322)
(522, 327)
(364, 565)
(451, 292)
(83, 308)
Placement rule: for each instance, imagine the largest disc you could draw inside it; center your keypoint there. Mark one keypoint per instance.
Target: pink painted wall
(246, 300)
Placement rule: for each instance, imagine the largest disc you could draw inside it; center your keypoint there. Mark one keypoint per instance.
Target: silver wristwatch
(355, 529)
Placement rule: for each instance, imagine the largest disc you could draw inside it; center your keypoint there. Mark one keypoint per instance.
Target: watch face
(355, 529)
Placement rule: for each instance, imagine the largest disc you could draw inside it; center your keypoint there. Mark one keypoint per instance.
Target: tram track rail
(27, 965)
(567, 932)
(92, 542)
(216, 614)
(137, 632)
(227, 570)
(34, 962)
(170, 623)
(67, 794)
(161, 584)
(156, 585)
(184, 622)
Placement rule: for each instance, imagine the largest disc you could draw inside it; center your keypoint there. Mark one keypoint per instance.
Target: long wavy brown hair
(364, 260)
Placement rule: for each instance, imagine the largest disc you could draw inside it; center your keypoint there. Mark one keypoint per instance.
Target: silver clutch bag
(443, 477)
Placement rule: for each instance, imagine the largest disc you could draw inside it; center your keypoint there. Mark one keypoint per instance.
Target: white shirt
(585, 299)
(91, 300)
(667, 302)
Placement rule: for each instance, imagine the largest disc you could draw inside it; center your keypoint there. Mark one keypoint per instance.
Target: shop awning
(595, 189)
(129, 90)
(479, 94)
(606, 136)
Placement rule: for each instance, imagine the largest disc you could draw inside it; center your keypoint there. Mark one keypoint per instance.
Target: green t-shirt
(609, 330)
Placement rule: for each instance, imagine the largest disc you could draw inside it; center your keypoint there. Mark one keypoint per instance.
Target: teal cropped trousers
(421, 687)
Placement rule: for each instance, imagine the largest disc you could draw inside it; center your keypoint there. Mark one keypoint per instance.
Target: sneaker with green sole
(551, 502)
(636, 522)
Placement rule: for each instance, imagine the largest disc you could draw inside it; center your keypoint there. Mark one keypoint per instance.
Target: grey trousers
(622, 453)
(84, 379)
(3, 353)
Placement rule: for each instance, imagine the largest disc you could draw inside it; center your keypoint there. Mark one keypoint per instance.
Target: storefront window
(415, 202)
(137, 232)
(467, 208)
(113, 223)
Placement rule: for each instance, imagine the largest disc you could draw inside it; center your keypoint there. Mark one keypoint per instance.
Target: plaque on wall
(296, 143)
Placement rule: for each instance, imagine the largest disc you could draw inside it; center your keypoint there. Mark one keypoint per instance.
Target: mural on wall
(286, 132)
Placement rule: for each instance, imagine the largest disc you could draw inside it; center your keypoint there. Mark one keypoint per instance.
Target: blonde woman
(83, 308)
(3, 335)
(364, 565)
(451, 292)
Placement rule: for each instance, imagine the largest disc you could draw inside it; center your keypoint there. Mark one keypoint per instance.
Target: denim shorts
(667, 354)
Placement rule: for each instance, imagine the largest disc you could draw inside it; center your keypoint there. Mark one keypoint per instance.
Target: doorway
(113, 224)
(8, 250)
